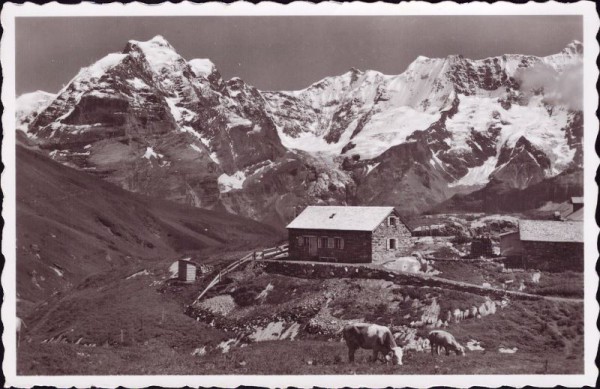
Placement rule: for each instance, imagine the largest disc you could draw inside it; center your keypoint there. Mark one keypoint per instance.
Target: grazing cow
(474, 311)
(372, 337)
(439, 338)
(456, 315)
(492, 307)
(483, 310)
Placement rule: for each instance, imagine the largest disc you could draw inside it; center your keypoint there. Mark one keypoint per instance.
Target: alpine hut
(348, 234)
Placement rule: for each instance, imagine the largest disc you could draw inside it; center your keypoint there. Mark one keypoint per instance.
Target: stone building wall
(554, 256)
(383, 232)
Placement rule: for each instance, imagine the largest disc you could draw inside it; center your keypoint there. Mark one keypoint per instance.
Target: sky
(282, 52)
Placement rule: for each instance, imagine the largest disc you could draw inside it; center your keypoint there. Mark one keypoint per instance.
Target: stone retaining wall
(323, 271)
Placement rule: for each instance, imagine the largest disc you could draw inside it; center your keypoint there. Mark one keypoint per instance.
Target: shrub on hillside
(246, 295)
(461, 238)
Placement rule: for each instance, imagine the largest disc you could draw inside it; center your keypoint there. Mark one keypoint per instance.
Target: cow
(474, 311)
(439, 338)
(457, 312)
(372, 337)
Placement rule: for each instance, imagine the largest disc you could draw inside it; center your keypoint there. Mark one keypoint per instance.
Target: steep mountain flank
(71, 225)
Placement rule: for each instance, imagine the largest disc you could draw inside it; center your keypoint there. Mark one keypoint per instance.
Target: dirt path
(443, 282)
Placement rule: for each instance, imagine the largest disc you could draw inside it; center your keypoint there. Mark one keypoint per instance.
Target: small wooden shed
(187, 270)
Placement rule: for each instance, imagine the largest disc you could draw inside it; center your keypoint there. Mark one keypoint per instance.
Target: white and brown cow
(439, 338)
(372, 337)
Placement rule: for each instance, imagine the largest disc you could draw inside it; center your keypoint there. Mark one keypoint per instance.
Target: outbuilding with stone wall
(552, 245)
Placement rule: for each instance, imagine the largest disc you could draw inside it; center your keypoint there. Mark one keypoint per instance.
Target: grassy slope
(71, 225)
(561, 284)
(164, 345)
(279, 357)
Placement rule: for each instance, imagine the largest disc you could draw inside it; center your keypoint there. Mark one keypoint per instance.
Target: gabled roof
(551, 231)
(576, 200)
(341, 218)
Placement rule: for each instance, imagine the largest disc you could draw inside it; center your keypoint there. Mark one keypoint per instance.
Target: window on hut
(322, 243)
(338, 243)
(330, 243)
(392, 244)
(391, 221)
(306, 240)
(300, 241)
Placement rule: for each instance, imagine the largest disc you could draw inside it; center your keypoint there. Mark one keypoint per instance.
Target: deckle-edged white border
(7, 50)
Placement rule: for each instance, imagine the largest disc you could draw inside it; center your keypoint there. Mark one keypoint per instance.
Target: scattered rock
(474, 345)
(199, 351)
(226, 345)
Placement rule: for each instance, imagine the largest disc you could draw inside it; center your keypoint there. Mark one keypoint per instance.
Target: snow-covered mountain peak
(574, 47)
(355, 71)
(33, 98)
(100, 67)
(157, 41)
(158, 53)
(202, 67)
(29, 105)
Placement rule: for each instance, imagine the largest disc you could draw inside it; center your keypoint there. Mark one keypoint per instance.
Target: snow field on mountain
(230, 182)
(541, 129)
(390, 128)
(138, 83)
(418, 83)
(531, 121)
(180, 114)
(183, 115)
(100, 67)
(308, 141)
(478, 175)
(150, 153)
(198, 149)
(236, 121)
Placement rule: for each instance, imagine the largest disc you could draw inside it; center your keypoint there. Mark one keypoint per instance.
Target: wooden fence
(270, 253)
(273, 252)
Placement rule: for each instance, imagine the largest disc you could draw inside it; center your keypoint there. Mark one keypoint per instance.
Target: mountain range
(444, 130)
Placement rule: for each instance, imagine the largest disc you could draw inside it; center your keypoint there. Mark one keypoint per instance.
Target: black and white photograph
(364, 191)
